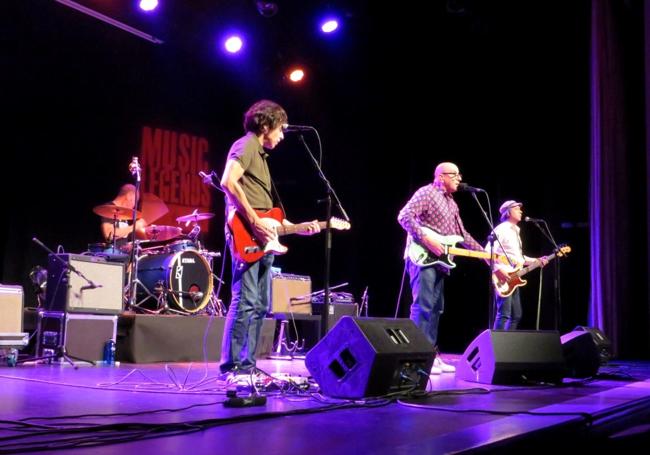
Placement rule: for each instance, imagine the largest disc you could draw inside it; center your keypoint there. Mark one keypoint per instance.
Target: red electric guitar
(248, 249)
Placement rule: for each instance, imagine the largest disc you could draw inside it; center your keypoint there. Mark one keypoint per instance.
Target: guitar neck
(471, 253)
(294, 228)
(534, 266)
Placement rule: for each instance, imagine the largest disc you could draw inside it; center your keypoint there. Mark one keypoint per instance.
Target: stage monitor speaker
(67, 291)
(603, 345)
(513, 357)
(290, 293)
(370, 357)
(580, 353)
(11, 309)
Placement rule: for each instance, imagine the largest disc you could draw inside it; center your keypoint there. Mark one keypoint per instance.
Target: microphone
(134, 166)
(470, 189)
(196, 296)
(89, 286)
(296, 128)
(207, 178)
(533, 220)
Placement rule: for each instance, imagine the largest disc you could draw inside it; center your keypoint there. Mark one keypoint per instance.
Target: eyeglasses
(453, 175)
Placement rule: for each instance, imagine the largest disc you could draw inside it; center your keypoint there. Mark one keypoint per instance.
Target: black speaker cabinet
(603, 345)
(82, 335)
(580, 353)
(369, 357)
(67, 291)
(512, 357)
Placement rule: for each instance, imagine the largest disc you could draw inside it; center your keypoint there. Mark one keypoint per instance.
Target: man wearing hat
(508, 243)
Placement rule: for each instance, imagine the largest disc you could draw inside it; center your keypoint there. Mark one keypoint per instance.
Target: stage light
(296, 75)
(233, 44)
(148, 5)
(329, 25)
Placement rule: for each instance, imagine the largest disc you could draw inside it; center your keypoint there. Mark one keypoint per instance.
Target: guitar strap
(277, 201)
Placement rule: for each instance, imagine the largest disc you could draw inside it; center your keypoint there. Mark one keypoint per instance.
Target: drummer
(125, 199)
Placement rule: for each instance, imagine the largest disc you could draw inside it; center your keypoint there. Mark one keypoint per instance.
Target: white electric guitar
(421, 256)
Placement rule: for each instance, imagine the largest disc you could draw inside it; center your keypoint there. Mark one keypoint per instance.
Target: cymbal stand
(134, 282)
(135, 169)
(114, 237)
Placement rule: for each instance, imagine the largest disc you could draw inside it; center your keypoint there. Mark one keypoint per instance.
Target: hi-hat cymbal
(162, 232)
(115, 212)
(194, 216)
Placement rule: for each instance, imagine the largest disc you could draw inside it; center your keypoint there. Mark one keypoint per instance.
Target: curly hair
(262, 114)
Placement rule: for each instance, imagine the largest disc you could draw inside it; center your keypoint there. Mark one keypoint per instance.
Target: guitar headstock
(563, 250)
(338, 223)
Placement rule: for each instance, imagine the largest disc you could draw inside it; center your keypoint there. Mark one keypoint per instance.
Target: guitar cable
(401, 290)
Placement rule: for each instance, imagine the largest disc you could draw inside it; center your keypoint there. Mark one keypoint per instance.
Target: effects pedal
(234, 401)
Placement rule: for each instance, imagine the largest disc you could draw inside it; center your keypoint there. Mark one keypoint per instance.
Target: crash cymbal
(194, 216)
(162, 232)
(116, 212)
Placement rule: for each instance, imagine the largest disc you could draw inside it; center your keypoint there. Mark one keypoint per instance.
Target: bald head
(447, 177)
(444, 168)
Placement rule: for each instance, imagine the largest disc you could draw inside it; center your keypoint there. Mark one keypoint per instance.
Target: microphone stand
(491, 238)
(60, 348)
(546, 231)
(328, 236)
(67, 265)
(135, 169)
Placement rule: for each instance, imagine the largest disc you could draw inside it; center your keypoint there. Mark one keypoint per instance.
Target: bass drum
(185, 276)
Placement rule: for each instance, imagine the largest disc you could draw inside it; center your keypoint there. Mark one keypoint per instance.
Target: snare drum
(185, 276)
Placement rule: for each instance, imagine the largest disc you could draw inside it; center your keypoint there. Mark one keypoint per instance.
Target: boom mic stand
(60, 346)
(328, 233)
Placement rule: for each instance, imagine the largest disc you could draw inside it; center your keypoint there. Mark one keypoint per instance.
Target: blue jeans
(251, 298)
(508, 312)
(427, 287)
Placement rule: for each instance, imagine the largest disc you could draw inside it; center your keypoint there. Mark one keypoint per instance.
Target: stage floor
(177, 408)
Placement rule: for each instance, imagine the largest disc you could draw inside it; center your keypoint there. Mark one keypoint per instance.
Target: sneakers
(441, 366)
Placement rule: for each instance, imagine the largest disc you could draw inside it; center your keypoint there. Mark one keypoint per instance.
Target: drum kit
(172, 272)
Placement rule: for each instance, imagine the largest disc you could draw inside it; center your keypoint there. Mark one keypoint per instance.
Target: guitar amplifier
(11, 309)
(290, 293)
(67, 291)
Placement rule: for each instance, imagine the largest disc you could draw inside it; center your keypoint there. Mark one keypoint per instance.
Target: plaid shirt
(433, 208)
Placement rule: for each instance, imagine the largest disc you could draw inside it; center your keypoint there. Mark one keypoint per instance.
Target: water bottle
(109, 352)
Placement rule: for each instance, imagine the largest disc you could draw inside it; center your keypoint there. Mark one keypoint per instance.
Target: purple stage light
(233, 44)
(329, 25)
(148, 5)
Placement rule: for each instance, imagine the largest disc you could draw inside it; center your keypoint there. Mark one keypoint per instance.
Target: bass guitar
(507, 287)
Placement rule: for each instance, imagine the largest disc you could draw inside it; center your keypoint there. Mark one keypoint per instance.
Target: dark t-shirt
(256, 180)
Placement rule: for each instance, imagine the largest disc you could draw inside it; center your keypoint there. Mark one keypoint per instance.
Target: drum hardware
(215, 305)
(38, 277)
(116, 214)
